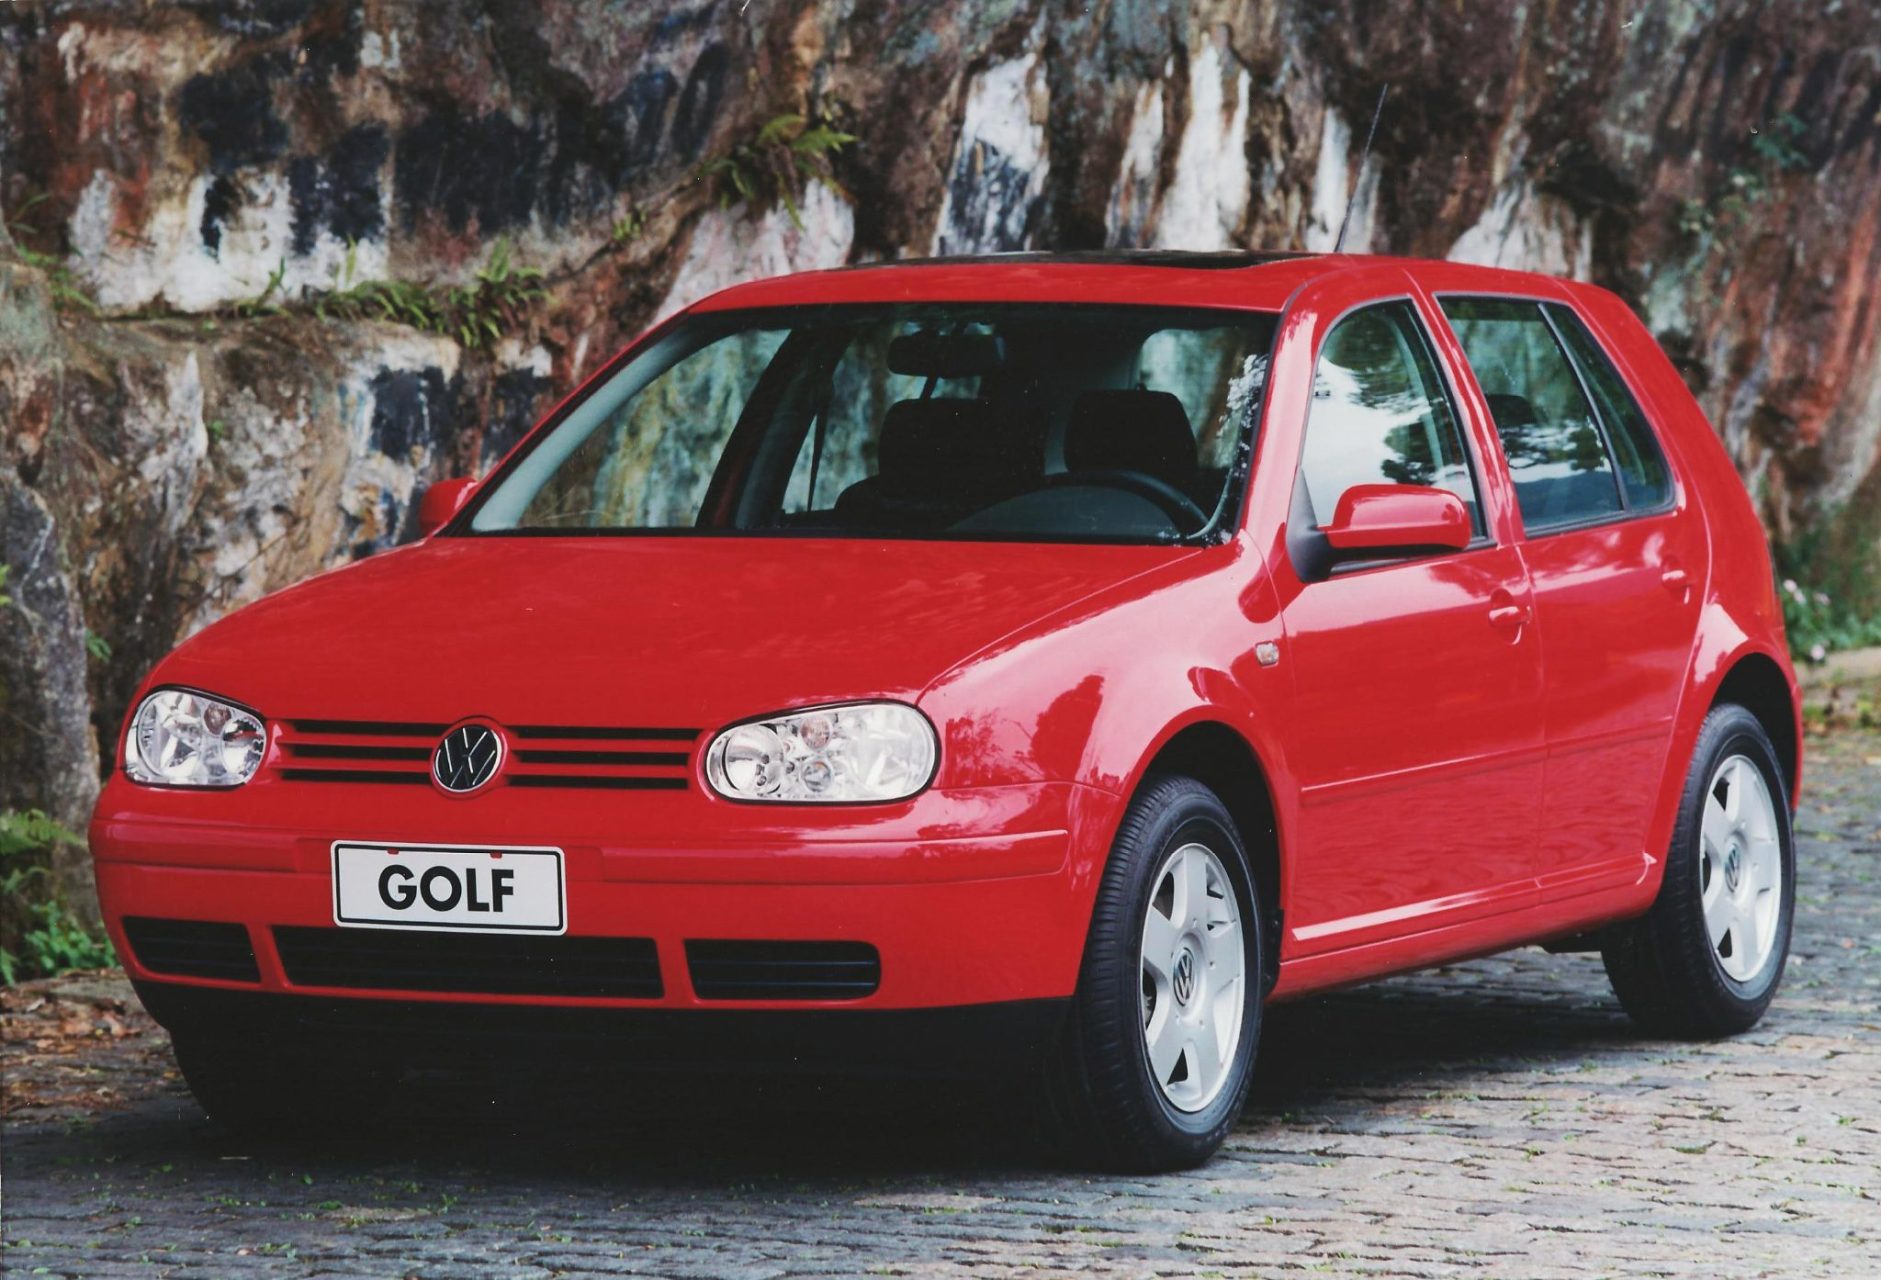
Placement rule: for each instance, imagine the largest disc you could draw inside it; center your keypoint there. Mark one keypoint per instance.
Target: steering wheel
(1177, 505)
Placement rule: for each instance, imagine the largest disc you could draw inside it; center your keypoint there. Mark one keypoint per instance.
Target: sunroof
(1191, 260)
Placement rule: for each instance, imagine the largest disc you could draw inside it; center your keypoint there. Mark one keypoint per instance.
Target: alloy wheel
(1740, 868)
(1194, 975)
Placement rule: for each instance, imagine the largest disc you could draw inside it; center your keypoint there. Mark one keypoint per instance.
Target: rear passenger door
(1615, 565)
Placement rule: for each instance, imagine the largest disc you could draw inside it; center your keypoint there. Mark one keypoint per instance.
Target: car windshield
(945, 420)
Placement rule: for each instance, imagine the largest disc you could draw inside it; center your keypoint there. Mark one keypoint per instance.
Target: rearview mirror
(442, 501)
(947, 355)
(1383, 519)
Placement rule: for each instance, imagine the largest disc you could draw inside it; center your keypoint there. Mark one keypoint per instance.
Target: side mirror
(1398, 518)
(442, 501)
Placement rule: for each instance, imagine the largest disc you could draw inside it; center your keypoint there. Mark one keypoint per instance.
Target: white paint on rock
(164, 431)
(289, 444)
(1208, 197)
(93, 218)
(379, 53)
(167, 260)
(1333, 190)
(1000, 161)
(510, 354)
(1852, 447)
(1529, 231)
(1330, 184)
(377, 487)
(72, 50)
(273, 448)
(729, 246)
(1133, 202)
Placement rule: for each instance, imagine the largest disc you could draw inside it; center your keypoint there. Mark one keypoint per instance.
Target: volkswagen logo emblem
(467, 758)
(1184, 977)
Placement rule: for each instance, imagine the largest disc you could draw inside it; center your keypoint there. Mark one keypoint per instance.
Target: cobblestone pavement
(1498, 1118)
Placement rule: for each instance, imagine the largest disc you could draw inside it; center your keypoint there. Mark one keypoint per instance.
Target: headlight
(869, 751)
(184, 739)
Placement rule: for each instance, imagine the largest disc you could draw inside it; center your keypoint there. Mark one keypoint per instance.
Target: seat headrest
(951, 445)
(1511, 411)
(1145, 431)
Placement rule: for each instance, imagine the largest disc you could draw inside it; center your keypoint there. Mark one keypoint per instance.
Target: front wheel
(1159, 1049)
(1706, 960)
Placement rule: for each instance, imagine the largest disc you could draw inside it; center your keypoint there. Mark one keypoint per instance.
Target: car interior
(1055, 427)
(934, 420)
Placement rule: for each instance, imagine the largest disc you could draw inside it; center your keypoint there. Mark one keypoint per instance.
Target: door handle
(1677, 581)
(1508, 615)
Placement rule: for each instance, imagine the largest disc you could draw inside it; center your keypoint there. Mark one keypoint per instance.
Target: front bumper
(958, 1042)
(976, 897)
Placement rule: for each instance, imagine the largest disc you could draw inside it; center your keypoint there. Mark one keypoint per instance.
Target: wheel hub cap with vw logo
(1183, 980)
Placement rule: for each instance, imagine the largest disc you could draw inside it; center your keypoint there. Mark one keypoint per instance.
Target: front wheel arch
(1221, 759)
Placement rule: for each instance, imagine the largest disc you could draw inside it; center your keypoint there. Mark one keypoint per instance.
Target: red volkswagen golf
(1030, 666)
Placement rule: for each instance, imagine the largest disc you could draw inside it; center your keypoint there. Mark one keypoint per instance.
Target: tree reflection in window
(1557, 455)
(1379, 413)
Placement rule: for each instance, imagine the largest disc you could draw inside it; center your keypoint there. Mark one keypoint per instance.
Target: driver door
(1416, 733)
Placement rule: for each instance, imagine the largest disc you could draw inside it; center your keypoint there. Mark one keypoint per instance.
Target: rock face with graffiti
(267, 270)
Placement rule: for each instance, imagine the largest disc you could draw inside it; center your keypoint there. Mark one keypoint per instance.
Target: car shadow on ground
(1335, 1056)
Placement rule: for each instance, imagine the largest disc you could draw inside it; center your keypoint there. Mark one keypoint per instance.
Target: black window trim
(1627, 511)
(1482, 539)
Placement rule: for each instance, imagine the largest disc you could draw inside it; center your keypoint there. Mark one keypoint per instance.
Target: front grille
(192, 948)
(586, 757)
(479, 963)
(783, 970)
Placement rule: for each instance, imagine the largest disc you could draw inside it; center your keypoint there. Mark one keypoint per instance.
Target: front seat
(938, 460)
(1141, 431)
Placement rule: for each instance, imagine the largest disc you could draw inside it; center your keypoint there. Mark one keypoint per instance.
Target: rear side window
(1643, 472)
(1380, 415)
(1557, 456)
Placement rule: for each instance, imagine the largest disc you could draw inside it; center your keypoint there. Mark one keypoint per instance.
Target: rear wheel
(1159, 1048)
(1706, 960)
(269, 1090)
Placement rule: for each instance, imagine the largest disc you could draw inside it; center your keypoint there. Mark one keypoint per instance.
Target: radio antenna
(1364, 155)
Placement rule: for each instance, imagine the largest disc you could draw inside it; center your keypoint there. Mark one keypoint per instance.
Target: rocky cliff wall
(183, 430)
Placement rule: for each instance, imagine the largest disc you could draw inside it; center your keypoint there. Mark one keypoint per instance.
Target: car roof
(1250, 281)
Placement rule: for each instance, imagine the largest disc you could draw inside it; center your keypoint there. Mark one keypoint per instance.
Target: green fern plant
(774, 165)
(628, 226)
(496, 301)
(259, 304)
(50, 937)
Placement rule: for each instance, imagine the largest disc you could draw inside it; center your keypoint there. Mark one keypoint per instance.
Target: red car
(1026, 665)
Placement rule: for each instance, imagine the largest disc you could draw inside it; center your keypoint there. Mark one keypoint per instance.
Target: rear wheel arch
(1757, 683)
(1224, 761)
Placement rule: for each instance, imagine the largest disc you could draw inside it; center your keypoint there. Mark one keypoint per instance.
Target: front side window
(1380, 415)
(1077, 422)
(1557, 456)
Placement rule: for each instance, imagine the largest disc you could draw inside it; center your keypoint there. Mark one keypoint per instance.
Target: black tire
(1663, 966)
(1106, 1106)
(267, 1090)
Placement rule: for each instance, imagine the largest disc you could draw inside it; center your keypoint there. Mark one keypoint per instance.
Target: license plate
(473, 888)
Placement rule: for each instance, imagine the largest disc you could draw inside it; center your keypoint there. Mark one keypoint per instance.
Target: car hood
(680, 631)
